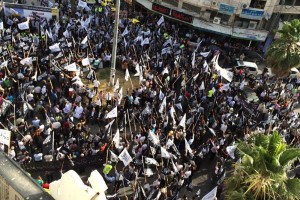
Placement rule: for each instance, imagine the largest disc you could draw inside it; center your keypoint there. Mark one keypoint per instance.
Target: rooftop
(20, 180)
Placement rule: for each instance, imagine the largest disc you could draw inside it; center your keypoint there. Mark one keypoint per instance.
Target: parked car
(294, 73)
(250, 68)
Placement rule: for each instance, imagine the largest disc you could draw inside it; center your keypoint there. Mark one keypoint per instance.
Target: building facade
(16, 184)
(246, 19)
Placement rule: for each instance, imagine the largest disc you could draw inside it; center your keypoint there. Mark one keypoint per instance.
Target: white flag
(205, 66)
(179, 106)
(26, 107)
(49, 34)
(113, 157)
(146, 111)
(204, 54)
(195, 77)
(182, 121)
(113, 113)
(116, 139)
(169, 41)
(172, 111)
(137, 69)
(84, 40)
(160, 21)
(54, 48)
(117, 85)
(26, 61)
(165, 71)
(162, 106)
(161, 95)
(165, 153)
(148, 172)
(4, 64)
(212, 131)
(153, 138)
(153, 150)
(120, 96)
(193, 59)
(1, 25)
(230, 150)
(82, 4)
(108, 126)
(47, 140)
(24, 25)
(127, 75)
(174, 166)
(125, 43)
(145, 41)
(66, 34)
(211, 195)
(187, 146)
(151, 161)
(5, 137)
(125, 157)
(202, 87)
(85, 62)
(72, 67)
(125, 31)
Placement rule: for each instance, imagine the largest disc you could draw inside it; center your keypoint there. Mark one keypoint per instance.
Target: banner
(5, 137)
(23, 25)
(28, 11)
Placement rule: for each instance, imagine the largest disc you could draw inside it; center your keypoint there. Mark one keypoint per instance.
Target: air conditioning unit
(214, 3)
(217, 20)
(252, 25)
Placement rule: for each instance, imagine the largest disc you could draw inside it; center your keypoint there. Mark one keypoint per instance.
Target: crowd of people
(186, 108)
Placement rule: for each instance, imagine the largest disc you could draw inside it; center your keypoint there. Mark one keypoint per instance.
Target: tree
(284, 53)
(262, 172)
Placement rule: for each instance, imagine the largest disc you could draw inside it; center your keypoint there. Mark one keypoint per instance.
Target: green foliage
(262, 173)
(284, 53)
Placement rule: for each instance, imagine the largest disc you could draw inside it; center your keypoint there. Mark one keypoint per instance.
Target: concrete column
(180, 2)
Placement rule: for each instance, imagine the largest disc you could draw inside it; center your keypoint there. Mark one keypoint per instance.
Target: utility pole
(115, 44)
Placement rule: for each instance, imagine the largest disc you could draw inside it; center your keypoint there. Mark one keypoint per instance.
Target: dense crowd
(186, 108)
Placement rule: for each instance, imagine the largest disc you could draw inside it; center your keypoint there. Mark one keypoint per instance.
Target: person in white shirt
(78, 111)
(12, 153)
(108, 98)
(96, 85)
(91, 94)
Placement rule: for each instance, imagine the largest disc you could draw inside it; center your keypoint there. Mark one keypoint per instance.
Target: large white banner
(5, 137)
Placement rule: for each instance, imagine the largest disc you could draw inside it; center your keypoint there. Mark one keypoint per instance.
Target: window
(190, 7)
(245, 23)
(287, 2)
(172, 2)
(258, 4)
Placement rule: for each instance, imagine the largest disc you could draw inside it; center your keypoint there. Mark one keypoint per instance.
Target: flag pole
(90, 48)
(129, 124)
(115, 44)
(125, 126)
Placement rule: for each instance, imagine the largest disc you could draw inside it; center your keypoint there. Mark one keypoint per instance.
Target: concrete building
(246, 19)
(16, 184)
